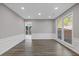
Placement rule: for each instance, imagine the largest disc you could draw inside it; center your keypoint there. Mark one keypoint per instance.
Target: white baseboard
(71, 47)
(43, 36)
(9, 42)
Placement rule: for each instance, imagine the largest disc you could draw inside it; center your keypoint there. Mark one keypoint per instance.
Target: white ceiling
(47, 10)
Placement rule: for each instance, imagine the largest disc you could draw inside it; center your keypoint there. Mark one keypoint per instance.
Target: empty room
(39, 29)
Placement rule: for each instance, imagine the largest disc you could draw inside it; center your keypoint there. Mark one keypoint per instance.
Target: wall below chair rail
(10, 42)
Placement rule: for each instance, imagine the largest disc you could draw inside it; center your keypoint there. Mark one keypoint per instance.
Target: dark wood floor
(40, 48)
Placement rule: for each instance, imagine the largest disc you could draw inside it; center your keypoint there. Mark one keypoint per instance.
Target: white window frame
(62, 18)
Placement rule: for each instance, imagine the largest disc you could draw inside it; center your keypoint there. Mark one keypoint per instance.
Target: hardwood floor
(40, 48)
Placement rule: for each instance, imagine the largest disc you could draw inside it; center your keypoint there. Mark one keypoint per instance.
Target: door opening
(28, 29)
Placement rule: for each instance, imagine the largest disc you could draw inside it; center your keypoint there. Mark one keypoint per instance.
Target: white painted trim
(43, 36)
(56, 29)
(72, 27)
(62, 29)
(9, 42)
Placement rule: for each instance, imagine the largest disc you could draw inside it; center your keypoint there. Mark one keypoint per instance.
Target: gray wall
(54, 26)
(10, 23)
(42, 25)
(76, 21)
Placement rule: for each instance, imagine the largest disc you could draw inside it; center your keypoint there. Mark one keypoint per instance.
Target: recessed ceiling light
(56, 8)
(49, 16)
(39, 14)
(22, 8)
(28, 16)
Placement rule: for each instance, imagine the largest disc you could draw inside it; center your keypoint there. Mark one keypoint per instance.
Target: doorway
(28, 30)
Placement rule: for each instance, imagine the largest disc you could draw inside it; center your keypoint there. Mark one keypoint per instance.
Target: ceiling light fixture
(49, 16)
(39, 14)
(28, 16)
(56, 8)
(22, 8)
